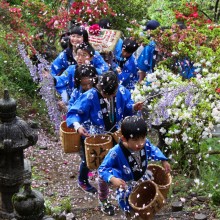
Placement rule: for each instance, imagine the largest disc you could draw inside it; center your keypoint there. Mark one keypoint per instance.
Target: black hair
(105, 23)
(134, 127)
(80, 31)
(129, 45)
(108, 83)
(87, 47)
(64, 40)
(85, 70)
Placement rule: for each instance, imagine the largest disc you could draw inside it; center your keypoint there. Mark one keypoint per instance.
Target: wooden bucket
(116, 135)
(96, 147)
(161, 178)
(70, 139)
(146, 199)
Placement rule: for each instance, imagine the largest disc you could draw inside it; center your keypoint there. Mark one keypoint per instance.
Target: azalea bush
(90, 11)
(190, 108)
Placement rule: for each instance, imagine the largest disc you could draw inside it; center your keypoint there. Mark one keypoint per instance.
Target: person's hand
(62, 106)
(117, 182)
(142, 75)
(138, 106)
(166, 166)
(118, 69)
(82, 131)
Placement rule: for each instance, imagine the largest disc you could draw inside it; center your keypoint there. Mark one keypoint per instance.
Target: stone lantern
(15, 136)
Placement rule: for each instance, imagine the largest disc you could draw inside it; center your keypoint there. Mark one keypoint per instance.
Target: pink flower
(94, 29)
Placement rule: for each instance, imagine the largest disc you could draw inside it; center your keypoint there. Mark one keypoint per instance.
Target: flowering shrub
(90, 11)
(191, 108)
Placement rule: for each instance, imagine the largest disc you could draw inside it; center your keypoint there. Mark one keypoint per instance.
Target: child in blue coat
(78, 35)
(125, 64)
(64, 83)
(127, 161)
(85, 78)
(105, 106)
(146, 60)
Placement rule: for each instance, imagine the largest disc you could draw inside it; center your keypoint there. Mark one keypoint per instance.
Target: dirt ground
(55, 175)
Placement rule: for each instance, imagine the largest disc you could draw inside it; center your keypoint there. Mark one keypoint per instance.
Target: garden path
(55, 175)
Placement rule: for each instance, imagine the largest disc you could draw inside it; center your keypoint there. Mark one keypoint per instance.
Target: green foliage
(127, 12)
(14, 71)
(162, 11)
(65, 205)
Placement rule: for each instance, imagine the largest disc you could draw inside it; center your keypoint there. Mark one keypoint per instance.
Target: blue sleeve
(79, 111)
(105, 170)
(129, 72)
(117, 54)
(59, 64)
(118, 49)
(154, 153)
(99, 63)
(74, 96)
(64, 80)
(129, 103)
(124, 103)
(145, 60)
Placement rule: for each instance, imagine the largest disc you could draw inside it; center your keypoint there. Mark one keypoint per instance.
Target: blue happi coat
(87, 106)
(75, 95)
(145, 61)
(116, 164)
(62, 62)
(128, 76)
(65, 82)
(186, 68)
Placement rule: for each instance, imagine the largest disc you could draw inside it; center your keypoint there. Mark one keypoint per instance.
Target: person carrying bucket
(126, 162)
(105, 106)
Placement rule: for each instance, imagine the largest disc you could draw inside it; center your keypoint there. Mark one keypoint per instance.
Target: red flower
(218, 90)
(195, 15)
(94, 29)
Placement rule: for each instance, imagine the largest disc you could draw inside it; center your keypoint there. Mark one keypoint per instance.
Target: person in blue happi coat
(124, 63)
(85, 78)
(127, 162)
(147, 59)
(64, 83)
(105, 106)
(77, 35)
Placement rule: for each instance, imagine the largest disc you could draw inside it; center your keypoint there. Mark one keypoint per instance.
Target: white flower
(162, 130)
(151, 77)
(145, 88)
(135, 91)
(138, 98)
(174, 53)
(176, 131)
(208, 63)
(205, 70)
(197, 70)
(185, 137)
(168, 141)
(198, 76)
(197, 181)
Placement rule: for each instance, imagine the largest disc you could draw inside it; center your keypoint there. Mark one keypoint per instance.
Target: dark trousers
(83, 169)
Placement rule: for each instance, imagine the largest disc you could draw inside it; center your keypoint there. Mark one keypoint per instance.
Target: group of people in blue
(97, 99)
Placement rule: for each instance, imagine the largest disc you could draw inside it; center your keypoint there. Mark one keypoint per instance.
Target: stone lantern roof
(15, 133)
